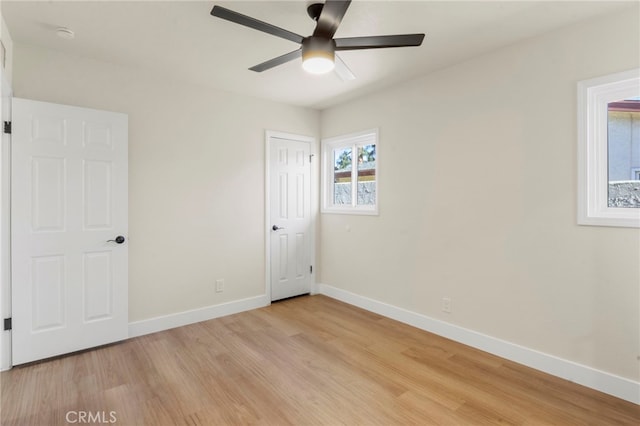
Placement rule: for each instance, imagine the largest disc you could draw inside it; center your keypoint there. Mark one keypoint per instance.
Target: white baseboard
(611, 384)
(166, 322)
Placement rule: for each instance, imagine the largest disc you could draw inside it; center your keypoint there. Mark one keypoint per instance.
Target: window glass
(367, 175)
(342, 172)
(623, 153)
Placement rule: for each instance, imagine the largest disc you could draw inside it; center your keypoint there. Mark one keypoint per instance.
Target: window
(350, 173)
(609, 150)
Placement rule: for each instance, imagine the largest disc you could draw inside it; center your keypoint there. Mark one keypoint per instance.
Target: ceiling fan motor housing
(314, 10)
(313, 46)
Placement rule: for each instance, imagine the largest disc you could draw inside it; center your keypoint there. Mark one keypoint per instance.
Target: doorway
(290, 217)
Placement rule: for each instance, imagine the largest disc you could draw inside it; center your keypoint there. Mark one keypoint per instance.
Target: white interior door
(290, 215)
(68, 199)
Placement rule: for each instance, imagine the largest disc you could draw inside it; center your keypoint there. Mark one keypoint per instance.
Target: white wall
(478, 202)
(196, 175)
(7, 41)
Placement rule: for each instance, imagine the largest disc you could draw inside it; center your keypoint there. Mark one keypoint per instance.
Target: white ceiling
(181, 38)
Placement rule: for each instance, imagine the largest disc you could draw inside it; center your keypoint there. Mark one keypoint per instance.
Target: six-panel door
(69, 198)
(290, 214)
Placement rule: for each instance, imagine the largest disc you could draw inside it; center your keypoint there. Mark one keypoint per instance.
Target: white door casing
(5, 226)
(68, 198)
(289, 216)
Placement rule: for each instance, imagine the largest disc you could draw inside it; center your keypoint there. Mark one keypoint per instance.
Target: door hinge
(7, 127)
(310, 157)
(311, 269)
(7, 324)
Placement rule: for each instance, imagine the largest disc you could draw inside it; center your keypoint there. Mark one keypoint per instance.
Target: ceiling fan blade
(277, 61)
(379, 42)
(247, 21)
(330, 17)
(343, 70)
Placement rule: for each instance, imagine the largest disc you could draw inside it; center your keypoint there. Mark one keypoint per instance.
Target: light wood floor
(304, 361)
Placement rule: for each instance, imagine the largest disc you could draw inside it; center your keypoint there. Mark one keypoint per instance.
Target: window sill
(351, 211)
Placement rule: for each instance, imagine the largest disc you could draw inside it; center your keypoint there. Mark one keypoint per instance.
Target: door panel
(97, 285)
(301, 256)
(290, 173)
(47, 185)
(48, 283)
(284, 259)
(97, 193)
(68, 198)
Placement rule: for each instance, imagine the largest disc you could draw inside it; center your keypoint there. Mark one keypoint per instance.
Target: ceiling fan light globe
(318, 55)
(318, 64)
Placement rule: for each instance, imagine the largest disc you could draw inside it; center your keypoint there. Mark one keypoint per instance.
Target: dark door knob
(276, 227)
(119, 240)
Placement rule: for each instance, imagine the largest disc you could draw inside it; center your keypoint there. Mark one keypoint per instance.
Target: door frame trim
(6, 362)
(314, 173)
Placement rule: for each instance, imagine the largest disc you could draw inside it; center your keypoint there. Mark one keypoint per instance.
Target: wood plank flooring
(304, 361)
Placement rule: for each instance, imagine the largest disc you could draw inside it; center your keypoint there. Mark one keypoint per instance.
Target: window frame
(355, 140)
(593, 177)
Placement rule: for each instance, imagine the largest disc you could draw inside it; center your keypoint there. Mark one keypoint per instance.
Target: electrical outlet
(219, 285)
(446, 305)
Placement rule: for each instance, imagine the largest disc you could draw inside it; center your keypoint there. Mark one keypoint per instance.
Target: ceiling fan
(318, 51)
